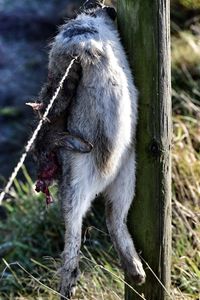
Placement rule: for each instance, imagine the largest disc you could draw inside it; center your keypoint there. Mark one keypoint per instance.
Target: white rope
(35, 133)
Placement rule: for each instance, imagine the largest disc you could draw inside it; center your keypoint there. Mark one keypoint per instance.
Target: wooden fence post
(145, 30)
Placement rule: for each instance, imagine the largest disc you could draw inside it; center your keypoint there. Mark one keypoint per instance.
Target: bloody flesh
(46, 175)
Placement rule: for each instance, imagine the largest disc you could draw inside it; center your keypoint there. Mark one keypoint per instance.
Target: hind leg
(119, 196)
(75, 200)
(78, 186)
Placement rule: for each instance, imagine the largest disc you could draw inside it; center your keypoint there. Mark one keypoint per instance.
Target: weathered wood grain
(144, 27)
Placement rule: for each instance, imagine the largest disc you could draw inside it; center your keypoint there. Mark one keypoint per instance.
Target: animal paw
(136, 272)
(68, 283)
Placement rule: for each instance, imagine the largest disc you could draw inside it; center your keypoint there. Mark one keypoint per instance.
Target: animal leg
(120, 194)
(74, 207)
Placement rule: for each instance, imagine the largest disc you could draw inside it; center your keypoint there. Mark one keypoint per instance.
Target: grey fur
(72, 32)
(103, 111)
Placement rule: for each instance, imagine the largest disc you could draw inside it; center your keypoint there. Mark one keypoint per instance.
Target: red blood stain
(46, 176)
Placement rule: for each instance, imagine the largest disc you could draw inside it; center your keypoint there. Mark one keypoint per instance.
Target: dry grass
(190, 4)
(186, 164)
(186, 50)
(186, 209)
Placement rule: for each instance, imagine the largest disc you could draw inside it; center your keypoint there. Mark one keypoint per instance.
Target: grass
(31, 239)
(190, 4)
(186, 163)
(32, 236)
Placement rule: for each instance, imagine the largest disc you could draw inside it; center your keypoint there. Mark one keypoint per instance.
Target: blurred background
(31, 237)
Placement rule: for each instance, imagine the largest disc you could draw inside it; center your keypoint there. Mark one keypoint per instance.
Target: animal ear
(90, 4)
(36, 106)
(111, 11)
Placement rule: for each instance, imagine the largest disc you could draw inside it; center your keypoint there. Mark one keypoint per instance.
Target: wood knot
(155, 148)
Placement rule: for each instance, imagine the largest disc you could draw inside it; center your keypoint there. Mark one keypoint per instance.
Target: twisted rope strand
(35, 133)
